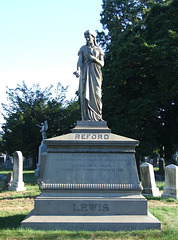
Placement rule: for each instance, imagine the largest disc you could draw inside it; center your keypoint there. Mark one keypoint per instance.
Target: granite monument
(90, 179)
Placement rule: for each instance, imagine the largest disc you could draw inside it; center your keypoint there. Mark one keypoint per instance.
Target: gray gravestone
(156, 160)
(161, 166)
(17, 183)
(8, 180)
(90, 182)
(151, 161)
(148, 180)
(171, 181)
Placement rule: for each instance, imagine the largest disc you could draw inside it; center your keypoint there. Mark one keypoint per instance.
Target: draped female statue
(90, 61)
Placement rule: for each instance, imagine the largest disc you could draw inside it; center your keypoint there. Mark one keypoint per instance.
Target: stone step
(92, 223)
(124, 205)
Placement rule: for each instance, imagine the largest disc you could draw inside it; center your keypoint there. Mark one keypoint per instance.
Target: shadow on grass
(168, 200)
(18, 197)
(11, 222)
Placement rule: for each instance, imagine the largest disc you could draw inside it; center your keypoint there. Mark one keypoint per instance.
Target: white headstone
(17, 183)
(171, 181)
(148, 180)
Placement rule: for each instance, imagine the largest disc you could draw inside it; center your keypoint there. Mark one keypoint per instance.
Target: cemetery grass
(14, 206)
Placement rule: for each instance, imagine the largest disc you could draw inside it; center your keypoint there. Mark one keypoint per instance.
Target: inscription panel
(91, 168)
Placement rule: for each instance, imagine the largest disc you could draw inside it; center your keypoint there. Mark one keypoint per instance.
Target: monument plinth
(90, 182)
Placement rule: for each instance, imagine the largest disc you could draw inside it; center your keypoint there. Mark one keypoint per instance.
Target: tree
(28, 107)
(139, 87)
(161, 33)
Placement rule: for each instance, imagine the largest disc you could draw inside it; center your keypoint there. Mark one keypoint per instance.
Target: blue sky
(40, 40)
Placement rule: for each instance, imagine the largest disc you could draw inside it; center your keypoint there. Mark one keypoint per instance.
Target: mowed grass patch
(68, 235)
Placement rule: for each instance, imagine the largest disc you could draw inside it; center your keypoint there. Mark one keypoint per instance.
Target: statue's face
(89, 39)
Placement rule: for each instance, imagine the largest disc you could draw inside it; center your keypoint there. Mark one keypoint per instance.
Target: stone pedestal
(171, 181)
(42, 149)
(90, 182)
(148, 180)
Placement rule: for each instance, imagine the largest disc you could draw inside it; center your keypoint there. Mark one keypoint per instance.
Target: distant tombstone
(17, 183)
(146, 159)
(8, 180)
(2, 159)
(161, 166)
(148, 180)
(156, 160)
(151, 161)
(171, 181)
(28, 162)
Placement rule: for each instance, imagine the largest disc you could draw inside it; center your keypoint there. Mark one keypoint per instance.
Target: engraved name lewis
(90, 207)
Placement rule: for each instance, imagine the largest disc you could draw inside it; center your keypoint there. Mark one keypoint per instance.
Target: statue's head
(91, 33)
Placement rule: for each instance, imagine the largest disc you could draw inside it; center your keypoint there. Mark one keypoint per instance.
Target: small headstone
(8, 179)
(2, 158)
(156, 160)
(171, 181)
(151, 161)
(17, 183)
(148, 180)
(146, 159)
(7, 163)
(161, 166)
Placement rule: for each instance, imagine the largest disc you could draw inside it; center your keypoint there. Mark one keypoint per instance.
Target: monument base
(90, 182)
(92, 223)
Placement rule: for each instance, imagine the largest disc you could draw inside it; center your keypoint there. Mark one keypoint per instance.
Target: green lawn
(14, 206)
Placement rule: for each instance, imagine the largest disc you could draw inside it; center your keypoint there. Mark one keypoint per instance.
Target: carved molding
(88, 187)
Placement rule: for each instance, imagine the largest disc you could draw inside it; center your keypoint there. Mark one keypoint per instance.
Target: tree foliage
(139, 87)
(28, 107)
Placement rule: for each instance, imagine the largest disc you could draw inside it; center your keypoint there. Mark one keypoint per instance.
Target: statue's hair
(93, 35)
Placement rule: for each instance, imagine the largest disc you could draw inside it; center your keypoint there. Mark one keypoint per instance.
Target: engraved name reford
(92, 136)
(90, 207)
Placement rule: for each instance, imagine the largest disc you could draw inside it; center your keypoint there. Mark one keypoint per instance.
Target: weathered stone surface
(171, 181)
(92, 223)
(89, 175)
(85, 203)
(42, 149)
(148, 180)
(8, 180)
(17, 183)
